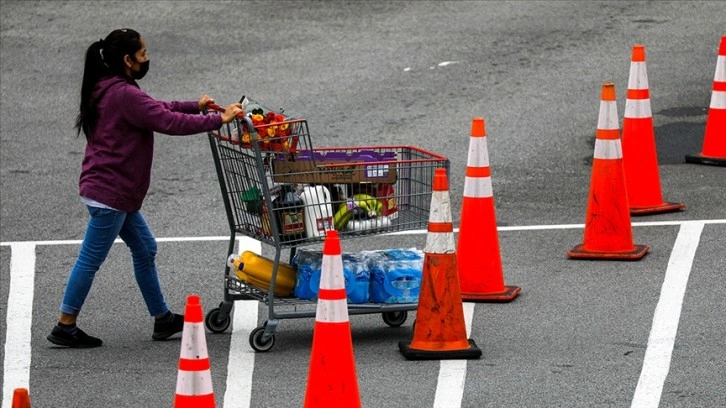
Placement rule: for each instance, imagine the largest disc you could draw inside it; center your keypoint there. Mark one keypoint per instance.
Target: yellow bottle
(257, 271)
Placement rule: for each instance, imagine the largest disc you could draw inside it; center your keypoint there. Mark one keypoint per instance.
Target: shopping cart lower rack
(281, 191)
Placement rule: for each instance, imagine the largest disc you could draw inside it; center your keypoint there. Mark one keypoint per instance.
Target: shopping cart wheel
(256, 341)
(394, 319)
(214, 324)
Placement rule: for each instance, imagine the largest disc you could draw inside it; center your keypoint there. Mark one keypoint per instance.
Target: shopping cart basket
(280, 190)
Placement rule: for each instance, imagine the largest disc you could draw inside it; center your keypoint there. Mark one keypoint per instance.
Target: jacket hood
(105, 83)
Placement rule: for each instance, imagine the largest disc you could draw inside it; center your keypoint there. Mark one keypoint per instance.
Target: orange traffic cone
(714, 142)
(608, 233)
(440, 329)
(332, 378)
(194, 379)
(640, 160)
(477, 251)
(21, 399)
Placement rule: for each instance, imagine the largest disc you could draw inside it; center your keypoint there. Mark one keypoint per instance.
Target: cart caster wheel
(213, 324)
(256, 340)
(394, 319)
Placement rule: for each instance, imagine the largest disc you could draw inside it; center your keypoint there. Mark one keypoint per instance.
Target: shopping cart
(281, 191)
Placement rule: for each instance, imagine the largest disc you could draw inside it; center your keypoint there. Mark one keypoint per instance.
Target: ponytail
(103, 58)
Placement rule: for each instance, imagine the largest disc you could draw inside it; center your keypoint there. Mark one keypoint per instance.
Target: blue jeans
(103, 228)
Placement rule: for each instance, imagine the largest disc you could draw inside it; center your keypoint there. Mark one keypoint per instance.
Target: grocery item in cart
(383, 192)
(386, 193)
(257, 270)
(360, 206)
(318, 210)
(331, 167)
(306, 262)
(289, 212)
(309, 271)
(395, 275)
(369, 224)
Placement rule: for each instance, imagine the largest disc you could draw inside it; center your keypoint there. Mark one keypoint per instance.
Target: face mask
(142, 71)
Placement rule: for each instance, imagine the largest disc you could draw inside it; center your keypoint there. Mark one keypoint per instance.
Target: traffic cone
(332, 378)
(714, 142)
(194, 380)
(477, 252)
(21, 399)
(608, 233)
(640, 160)
(440, 329)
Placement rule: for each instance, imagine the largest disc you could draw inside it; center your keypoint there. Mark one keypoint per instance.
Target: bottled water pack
(382, 276)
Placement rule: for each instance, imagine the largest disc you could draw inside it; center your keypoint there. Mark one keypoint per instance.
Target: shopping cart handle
(214, 106)
(241, 116)
(250, 126)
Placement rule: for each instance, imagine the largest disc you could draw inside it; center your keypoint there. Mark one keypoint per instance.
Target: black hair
(104, 58)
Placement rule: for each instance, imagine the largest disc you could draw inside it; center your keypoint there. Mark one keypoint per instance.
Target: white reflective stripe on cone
(720, 75)
(478, 187)
(333, 280)
(442, 211)
(478, 152)
(191, 383)
(608, 117)
(439, 243)
(332, 311)
(638, 76)
(196, 346)
(638, 108)
(608, 149)
(718, 100)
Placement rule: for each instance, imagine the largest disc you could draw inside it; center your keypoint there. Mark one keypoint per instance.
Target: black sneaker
(168, 326)
(74, 339)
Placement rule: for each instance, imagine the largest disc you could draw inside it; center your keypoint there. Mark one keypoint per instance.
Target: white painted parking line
(568, 226)
(544, 227)
(657, 360)
(452, 373)
(19, 319)
(117, 241)
(241, 365)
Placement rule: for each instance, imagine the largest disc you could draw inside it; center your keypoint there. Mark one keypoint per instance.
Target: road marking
(657, 360)
(569, 226)
(452, 373)
(408, 232)
(117, 241)
(16, 367)
(241, 362)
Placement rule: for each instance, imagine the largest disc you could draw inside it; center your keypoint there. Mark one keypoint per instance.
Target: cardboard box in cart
(332, 172)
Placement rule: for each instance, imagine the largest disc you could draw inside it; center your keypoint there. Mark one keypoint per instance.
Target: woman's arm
(171, 118)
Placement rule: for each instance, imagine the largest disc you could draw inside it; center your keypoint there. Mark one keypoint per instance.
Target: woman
(119, 121)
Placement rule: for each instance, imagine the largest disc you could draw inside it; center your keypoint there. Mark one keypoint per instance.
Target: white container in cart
(318, 210)
(372, 224)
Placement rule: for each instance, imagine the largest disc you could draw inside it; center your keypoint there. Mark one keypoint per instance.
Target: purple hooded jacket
(116, 168)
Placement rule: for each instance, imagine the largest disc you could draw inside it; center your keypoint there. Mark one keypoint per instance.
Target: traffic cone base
(658, 209)
(579, 252)
(472, 352)
(701, 159)
(508, 295)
